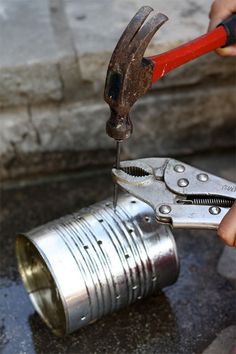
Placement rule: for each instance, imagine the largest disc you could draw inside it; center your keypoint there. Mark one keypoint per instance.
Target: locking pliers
(180, 194)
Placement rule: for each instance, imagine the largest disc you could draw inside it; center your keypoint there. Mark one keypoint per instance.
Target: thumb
(227, 228)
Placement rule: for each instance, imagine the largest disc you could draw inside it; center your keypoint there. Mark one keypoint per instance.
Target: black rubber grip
(230, 27)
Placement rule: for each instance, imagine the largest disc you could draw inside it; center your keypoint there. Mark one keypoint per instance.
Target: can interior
(40, 285)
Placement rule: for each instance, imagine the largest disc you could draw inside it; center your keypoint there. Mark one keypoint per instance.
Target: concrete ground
(195, 315)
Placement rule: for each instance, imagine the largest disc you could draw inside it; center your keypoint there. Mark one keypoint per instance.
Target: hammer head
(129, 74)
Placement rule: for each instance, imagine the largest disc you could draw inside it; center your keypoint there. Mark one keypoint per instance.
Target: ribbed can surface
(96, 261)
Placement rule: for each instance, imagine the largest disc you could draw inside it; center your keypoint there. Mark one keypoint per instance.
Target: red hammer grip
(176, 57)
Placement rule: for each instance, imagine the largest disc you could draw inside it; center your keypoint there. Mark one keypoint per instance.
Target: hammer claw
(145, 34)
(131, 30)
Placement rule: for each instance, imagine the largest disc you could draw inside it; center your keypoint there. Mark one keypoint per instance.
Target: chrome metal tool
(130, 75)
(180, 194)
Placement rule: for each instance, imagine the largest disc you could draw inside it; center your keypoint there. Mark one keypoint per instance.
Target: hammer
(130, 74)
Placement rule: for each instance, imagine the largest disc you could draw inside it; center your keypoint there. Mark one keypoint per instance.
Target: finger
(227, 228)
(219, 11)
(227, 51)
(218, 14)
(222, 9)
(215, 21)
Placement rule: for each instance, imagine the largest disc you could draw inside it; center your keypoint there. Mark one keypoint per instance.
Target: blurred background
(53, 62)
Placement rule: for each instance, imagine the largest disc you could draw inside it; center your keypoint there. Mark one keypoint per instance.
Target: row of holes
(118, 296)
(100, 242)
(132, 201)
(147, 219)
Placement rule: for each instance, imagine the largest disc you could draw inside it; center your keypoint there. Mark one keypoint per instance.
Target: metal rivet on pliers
(165, 209)
(179, 168)
(183, 182)
(214, 210)
(202, 177)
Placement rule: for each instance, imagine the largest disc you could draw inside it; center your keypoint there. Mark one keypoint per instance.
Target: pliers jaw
(136, 171)
(144, 179)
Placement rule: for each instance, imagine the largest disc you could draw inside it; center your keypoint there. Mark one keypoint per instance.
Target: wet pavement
(184, 318)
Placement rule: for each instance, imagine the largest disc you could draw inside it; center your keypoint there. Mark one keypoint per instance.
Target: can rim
(35, 270)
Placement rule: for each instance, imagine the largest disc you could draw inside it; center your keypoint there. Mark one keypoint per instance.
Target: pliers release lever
(180, 194)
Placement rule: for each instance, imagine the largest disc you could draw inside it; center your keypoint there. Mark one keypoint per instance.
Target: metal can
(95, 261)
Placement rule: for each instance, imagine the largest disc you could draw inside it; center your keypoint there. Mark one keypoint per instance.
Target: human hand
(220, 10)
(227, 228)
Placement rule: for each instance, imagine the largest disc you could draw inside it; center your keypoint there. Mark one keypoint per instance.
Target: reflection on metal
(95, 261)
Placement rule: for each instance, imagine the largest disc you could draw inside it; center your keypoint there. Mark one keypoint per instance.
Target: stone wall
(52, 73)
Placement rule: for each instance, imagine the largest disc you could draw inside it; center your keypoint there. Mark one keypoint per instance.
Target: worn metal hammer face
(129, 74)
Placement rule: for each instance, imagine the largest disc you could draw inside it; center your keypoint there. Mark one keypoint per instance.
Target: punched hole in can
(126, 256)
(133, 201)
(100, 220)
(86, 247)
(99, 242)
(147, 219)
(83, 318)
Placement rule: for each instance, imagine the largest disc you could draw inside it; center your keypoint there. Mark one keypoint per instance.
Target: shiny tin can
(95, 261)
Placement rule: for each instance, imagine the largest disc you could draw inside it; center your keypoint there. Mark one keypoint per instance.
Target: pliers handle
(180, 194)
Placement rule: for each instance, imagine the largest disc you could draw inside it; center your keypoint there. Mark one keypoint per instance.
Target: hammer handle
(223, 35)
